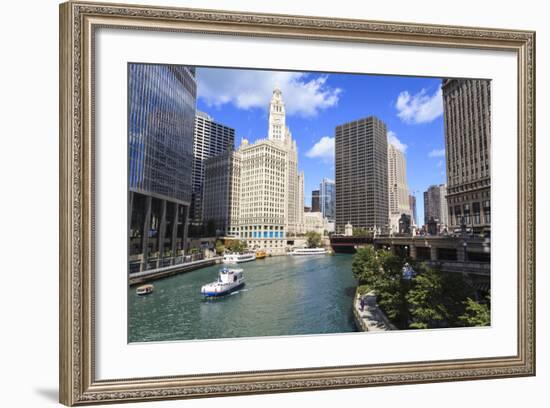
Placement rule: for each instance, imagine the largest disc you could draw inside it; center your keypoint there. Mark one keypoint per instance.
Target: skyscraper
(265, 199)
(467, 113)
(221, 190)
(327, 198)
(161, 111)
(435, 205)
(315, 201)
(412, 205)
(211, 139)
(398, 190)
(362, 174)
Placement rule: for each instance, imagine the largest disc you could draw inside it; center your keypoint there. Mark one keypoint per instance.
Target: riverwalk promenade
(371, 318)
(153, 274)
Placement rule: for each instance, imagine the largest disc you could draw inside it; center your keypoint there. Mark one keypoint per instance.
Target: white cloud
(420, 108)
(437, 153)
(323, 149)
(393, 140)
(304, 94)
(440, 163)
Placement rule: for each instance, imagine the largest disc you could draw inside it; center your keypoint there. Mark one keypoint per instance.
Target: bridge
(465, 254)
(344, 244)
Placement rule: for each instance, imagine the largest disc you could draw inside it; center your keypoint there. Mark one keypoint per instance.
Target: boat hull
(308, 253)
(222, 293)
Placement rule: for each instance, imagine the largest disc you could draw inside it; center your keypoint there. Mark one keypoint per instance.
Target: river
(283, 295)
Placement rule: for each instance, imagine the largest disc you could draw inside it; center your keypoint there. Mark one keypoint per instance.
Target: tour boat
(239, 258)
(308, 251)
(144, 290)
(260, 254)
(228, 281)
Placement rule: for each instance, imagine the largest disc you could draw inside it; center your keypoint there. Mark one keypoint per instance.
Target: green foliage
(425, 300)
(455, 292)
(363, 289)
(475, 314)
(366, 266)
(432, 299)
(313, 239)
(437, 299)
(237, 246)
(220, 247)
(381, 271)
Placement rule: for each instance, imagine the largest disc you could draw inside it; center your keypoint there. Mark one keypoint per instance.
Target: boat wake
(238, 291)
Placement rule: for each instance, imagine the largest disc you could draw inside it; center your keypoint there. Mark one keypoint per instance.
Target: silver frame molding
(78, 22)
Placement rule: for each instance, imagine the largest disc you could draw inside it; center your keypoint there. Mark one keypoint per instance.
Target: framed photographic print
(262, 203)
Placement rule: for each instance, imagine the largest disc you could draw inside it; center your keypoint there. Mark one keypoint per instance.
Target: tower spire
(277, 116)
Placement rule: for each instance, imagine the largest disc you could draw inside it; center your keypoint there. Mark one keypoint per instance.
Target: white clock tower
(277, 126)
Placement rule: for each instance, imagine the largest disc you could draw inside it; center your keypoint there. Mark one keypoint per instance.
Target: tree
(220, 247)
(438, 299)
(425, 300)
(237, 246)
(366, 266)
(476, 314)
(382, 272)
(454, 295)
(313, 239)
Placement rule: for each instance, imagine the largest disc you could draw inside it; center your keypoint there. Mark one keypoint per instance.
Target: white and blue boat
(228, 281)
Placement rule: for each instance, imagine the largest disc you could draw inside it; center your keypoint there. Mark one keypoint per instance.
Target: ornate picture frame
(78, 24)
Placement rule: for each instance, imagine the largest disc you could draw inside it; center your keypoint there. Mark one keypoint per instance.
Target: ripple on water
(282, 296)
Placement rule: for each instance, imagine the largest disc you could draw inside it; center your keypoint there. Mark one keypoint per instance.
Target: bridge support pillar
(433, 253)
(412, 250)
(461, 253)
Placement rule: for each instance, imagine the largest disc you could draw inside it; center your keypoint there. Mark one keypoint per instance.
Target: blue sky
(316, 103)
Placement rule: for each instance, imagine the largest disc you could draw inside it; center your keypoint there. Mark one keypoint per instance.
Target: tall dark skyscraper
(211, 139)
(467, 113)
(315, 201)
(161, 117)
(362, 174)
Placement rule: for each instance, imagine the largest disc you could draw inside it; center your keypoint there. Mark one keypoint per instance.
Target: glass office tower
(161, 118)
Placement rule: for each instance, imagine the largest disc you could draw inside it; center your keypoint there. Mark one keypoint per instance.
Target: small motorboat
(144, 290)
(261, 254)
(228, 281)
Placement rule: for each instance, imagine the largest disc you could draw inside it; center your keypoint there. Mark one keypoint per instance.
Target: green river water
(283, 295)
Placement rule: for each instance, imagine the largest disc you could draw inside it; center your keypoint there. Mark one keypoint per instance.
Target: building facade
(398, 190)
(266, 199)
(362, 175)
(327, 198)
(435, 206)
(211, 139)
(221, 189)
(315, 222)
(315, 201)
(412, 206)
(161, 110)
(467, 115)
